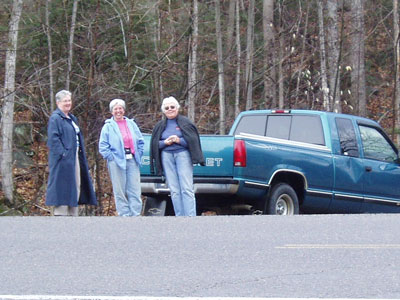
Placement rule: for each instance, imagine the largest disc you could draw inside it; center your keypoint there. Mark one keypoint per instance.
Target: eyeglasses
(169, 107)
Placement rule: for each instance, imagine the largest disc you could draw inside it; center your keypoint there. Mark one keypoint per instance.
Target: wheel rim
(284, 205)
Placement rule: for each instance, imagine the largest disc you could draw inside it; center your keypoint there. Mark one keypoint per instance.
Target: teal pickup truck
(289, 161)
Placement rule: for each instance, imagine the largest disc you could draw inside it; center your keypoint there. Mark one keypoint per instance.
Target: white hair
(62, 94)
(117, 102)
(169, 100)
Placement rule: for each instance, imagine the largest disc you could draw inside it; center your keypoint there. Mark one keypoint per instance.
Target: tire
(282, 201)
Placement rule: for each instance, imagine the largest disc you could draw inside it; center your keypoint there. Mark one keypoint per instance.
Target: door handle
(368, 168)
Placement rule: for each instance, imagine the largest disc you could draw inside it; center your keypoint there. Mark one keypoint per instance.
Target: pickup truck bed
(212, 180)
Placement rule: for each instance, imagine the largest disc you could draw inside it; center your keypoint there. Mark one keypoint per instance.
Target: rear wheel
(282, 201)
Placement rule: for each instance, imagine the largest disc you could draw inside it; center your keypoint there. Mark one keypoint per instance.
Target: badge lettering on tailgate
(214, 161)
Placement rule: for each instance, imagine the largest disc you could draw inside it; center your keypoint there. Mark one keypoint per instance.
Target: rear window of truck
(253, 124)
(299, 128)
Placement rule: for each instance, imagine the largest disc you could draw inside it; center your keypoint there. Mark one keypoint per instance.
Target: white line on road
(59, 297)
(339, 246)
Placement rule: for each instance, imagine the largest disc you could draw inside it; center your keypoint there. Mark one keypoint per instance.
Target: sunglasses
(169, 107)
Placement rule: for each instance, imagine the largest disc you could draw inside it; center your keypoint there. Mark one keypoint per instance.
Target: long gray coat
(61, 187)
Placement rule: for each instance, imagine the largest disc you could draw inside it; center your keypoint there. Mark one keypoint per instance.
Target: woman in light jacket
(121, 144)
(69, 182)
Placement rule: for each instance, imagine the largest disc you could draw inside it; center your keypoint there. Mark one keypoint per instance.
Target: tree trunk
(7, 120)
(238, 50)
(193, 62)
(88, 117)
(71, 43)
(357, 57)
(230, 29)
(249, 56)
(324, 76)
(228, 60)
(280, 58)
(51, 87)
(333, 55)
(280, 71)
(155, 28)
(396, 47)
(160, 88)
(269, 38)
(221, 84)
(303, 53)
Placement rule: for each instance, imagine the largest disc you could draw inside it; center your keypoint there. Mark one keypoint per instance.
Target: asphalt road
(317, 256)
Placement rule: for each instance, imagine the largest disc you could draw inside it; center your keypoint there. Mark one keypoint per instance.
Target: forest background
(217, 57)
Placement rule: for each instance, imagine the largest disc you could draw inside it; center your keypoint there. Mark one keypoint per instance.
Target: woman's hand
(172, 139)
(168, 141)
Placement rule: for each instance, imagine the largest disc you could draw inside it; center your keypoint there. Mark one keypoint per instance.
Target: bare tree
(221, 85)
(358, 58)
(333, 54)
(249, 55)
(324, 76)
(303, 51)
(7, 120)
(71, 43)
(230, 29)
(238, 50)
(47, 30)
(192, 76)
(396, 47)
(280, 57)
(269, 48)
(229, 55)
(157, 45)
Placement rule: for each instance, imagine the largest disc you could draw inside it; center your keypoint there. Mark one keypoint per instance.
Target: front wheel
(282, 201)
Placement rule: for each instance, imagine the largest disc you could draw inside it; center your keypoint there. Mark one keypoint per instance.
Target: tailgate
(218, 154)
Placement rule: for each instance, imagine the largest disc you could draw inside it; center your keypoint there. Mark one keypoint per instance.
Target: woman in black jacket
(175, 148)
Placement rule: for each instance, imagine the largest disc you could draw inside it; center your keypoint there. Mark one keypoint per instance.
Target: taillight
(239, 157)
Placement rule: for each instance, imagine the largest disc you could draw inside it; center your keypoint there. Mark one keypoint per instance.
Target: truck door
(382, 171)
(349, 171)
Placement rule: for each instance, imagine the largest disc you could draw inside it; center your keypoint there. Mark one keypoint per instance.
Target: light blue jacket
(111, 145)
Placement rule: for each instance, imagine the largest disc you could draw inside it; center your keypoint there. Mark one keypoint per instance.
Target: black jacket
(189, 132)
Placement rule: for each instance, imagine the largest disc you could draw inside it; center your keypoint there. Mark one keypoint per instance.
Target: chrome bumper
(157, 186)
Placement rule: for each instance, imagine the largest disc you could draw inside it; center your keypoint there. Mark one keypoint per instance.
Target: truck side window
(347, 137)
(278, 127)
(307, 129)
(375, 145)
(253, 124)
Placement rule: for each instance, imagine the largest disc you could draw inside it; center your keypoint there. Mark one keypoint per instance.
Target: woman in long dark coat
(69, 181)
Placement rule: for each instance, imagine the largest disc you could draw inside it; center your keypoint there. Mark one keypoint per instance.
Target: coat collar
(62, 115)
